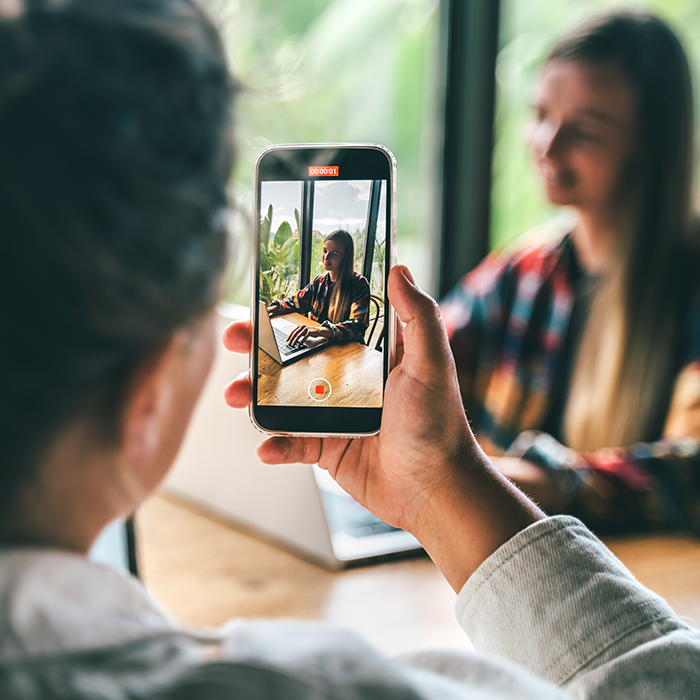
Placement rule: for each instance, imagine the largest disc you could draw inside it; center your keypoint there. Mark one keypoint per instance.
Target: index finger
(290, 337)
(296, 334)
(238, 336)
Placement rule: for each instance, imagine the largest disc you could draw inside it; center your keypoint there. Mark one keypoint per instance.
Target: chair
(378, 304)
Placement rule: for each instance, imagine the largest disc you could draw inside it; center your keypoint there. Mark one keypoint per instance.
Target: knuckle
(428, 305)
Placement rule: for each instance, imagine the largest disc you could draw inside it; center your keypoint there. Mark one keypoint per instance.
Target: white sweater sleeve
(557, 602)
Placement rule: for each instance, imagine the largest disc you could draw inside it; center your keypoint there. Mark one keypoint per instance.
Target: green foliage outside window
(333, 71)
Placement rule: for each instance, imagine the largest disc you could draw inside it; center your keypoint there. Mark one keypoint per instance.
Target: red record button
(319, 389)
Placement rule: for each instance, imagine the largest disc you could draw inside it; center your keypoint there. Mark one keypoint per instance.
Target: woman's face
(583, 136)
(332, 256)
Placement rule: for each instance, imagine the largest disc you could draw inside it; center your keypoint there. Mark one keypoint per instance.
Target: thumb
(405, 294)
(426, 346)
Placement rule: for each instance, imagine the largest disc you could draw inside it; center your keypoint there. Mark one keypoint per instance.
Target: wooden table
(207, 572)
(353, 370)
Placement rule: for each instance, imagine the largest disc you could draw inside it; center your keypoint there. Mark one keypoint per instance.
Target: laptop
(296, 507)
(357, 535)
(273, 334)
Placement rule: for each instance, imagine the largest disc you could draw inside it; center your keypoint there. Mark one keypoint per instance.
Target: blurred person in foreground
(578, 357)
(114, 157)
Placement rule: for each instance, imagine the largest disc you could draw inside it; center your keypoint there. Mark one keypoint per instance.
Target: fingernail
(407, 274)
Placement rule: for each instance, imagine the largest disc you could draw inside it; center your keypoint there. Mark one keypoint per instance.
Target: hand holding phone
(424, 472)
(424, 425)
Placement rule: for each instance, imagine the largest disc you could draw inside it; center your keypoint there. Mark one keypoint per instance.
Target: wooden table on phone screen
(353, 370)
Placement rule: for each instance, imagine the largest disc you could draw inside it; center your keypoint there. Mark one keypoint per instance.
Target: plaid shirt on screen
(508, 322)
(314, 299)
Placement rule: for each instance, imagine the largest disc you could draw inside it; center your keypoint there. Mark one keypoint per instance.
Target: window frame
(469, 31)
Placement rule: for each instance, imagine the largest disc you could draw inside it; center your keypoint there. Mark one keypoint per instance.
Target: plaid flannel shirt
(313, 301)
(507, 322)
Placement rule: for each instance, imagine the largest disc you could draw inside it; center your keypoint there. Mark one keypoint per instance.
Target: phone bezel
(311, 421)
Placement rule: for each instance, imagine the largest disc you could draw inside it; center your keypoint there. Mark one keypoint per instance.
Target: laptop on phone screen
(273, 335)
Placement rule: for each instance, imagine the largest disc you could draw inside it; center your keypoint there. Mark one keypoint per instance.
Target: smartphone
(323, 329)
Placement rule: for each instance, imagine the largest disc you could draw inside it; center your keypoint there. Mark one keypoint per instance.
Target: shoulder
(535, 259)
(318, 282)
(343, 665)
(66, 591)
(538, 258)
(359, 282)
(524, 266)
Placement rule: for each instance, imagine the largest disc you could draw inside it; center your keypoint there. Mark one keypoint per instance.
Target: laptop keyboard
(347, 515)
(281, 338)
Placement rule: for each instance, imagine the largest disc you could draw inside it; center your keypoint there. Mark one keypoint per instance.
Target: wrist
(329, 330)
(470, 512)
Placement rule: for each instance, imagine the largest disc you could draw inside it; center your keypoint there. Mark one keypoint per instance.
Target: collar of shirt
(56, 602)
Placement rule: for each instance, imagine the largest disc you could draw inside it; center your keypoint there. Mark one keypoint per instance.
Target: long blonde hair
(629, 352)
(341, 296)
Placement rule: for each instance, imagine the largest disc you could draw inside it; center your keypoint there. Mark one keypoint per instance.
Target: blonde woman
(338, 300)
(578, 357)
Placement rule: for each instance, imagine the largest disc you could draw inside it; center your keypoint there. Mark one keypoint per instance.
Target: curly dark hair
(115, 151)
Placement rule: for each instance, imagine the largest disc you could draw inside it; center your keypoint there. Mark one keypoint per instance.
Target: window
(363, 207)
(357, 206)
(334, 71)
(281, 204)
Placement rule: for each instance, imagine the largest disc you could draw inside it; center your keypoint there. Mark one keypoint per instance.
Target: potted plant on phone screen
(279, 259)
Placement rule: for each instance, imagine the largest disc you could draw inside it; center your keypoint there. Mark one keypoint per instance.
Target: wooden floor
(206, 572)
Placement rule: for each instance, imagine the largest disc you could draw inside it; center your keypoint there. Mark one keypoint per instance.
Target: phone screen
(325, 242)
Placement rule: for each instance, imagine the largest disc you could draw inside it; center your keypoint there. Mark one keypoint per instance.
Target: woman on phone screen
(578, 356)
(338, 300)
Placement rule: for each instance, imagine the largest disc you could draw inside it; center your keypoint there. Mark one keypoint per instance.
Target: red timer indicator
(323, 171)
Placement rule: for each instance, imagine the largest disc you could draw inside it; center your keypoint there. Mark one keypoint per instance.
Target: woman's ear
(148, 401)
(159, 403)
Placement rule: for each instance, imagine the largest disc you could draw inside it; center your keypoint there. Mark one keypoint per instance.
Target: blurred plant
(379, 253)
(336, 70)
(316, 254)
(279, 259)
(376, 284)
(359, 238)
